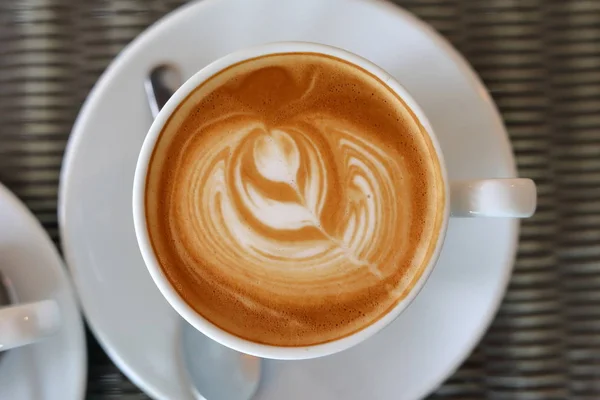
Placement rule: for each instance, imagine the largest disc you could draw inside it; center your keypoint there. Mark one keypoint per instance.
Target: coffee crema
(293, 199)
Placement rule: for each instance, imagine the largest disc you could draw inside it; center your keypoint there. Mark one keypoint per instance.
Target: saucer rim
(442, 45)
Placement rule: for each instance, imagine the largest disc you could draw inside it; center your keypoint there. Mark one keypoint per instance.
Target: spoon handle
(160, 85)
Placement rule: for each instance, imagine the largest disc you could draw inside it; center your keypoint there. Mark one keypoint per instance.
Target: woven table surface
(540, 59)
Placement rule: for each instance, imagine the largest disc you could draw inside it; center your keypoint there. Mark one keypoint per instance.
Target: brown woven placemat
(540, 60)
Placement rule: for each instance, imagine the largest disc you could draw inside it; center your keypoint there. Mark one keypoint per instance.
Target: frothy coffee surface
(293, 199)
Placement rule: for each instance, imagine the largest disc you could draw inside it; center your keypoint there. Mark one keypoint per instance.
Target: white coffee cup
(27, 323)
(513, 198)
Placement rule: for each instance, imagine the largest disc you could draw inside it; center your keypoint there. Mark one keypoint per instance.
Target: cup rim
(138, 202)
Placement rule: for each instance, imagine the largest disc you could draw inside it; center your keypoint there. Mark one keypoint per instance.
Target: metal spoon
(4, 292)
(4, 298)
(216, 372)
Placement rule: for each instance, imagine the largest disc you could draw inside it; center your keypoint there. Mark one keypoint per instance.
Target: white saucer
(55, 368)
(137, 327)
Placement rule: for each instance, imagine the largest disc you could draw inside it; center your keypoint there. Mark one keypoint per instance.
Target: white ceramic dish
(131, 319)
(54, 368)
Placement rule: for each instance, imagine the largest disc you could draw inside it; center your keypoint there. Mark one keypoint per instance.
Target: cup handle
(511, 197)
(27, 323)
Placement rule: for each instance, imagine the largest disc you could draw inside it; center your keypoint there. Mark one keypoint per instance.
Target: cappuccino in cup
(291, 199)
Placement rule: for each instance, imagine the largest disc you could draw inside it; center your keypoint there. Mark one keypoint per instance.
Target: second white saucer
(54, 368)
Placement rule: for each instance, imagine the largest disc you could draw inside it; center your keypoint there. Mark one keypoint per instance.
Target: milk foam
(288, 218)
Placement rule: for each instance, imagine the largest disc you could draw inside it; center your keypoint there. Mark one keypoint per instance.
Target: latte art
(284, 217)
(258, 199)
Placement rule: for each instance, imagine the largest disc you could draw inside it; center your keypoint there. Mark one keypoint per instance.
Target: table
(540, 60)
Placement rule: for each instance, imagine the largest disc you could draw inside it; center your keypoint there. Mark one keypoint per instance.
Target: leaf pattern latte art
(257, 198)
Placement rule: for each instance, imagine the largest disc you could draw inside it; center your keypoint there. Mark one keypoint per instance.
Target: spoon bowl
(216, 371)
